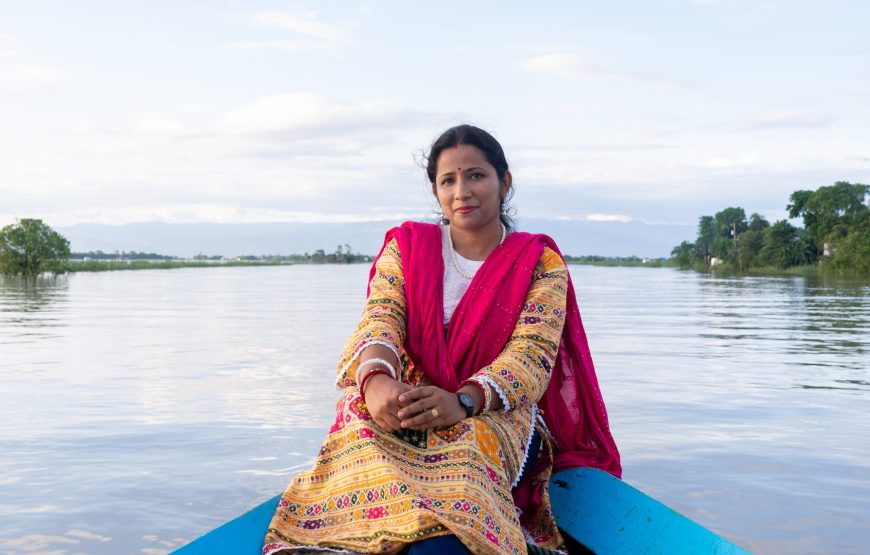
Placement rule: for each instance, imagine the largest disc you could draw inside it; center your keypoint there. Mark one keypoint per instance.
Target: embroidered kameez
(374, 491)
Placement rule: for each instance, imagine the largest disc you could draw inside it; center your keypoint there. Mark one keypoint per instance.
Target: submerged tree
(29, 246)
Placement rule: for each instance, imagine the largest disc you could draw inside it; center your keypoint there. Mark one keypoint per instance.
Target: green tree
(757, 222)
(728, 223)
(682, 254)
(706, 236)
(749, 244)
(829, 212)
(30, 246)
(784, 246)
(851, 254)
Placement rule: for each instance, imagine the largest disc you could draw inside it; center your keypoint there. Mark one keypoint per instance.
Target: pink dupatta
(481, 326)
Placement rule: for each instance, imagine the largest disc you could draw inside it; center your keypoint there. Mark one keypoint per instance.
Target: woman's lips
(466, 209)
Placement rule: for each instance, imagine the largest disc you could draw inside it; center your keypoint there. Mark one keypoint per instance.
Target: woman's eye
(477, 176)
(447, 181)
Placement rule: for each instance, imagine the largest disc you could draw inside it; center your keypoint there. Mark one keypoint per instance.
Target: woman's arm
(521, 372)
(381, 330)
(370, 359)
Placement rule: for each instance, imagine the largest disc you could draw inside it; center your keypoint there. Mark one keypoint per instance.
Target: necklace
(453, 252)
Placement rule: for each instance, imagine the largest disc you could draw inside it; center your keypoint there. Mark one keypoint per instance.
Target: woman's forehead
(461, 157)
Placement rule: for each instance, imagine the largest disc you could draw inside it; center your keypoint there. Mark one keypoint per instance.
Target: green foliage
(784, 246)
(706, 236)
(830, 210)
(598, 260)
(757, 222)
(851, 254)
(836, 218)
(682, 254)
(749, 244)
(29, 247)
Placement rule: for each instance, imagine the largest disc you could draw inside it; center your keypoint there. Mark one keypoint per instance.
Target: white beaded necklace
(453, 252)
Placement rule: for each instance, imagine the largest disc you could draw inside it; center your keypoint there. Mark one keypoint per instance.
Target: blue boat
(603, 513)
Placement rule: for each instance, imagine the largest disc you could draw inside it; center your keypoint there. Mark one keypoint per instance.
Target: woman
(469, 335)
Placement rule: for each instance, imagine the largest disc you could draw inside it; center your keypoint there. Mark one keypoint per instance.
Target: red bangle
(369, 374)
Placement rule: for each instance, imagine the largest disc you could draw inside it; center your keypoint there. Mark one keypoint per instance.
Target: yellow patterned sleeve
(521, 372)
(383, 318)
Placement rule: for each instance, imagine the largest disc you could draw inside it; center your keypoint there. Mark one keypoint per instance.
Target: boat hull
(603, 513)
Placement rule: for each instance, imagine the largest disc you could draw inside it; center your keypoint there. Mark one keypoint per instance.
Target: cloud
(25, 74)
(15, 70)
(621, 218)
(285, 45)
(306, 112)
(608, 218)
(565, 64)
(304, 23)
(788, 120)
(7, 45)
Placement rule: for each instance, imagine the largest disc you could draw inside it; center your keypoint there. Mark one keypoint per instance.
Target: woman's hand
(429, 406)
(382, 399)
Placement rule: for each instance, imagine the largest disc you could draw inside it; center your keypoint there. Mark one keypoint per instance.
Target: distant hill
(189, 239)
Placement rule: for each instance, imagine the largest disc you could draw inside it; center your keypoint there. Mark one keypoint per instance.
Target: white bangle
(385, 363)
(489, 394)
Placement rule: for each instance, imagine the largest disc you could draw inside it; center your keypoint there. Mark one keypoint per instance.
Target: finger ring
(434, 413)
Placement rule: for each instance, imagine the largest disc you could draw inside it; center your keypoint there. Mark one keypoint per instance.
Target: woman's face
(468, 189)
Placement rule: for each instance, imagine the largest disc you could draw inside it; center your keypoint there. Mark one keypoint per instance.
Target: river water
(139, 409)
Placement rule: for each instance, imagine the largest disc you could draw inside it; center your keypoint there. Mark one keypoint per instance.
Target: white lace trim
(528, 446)
(359, 352)
(505, 403)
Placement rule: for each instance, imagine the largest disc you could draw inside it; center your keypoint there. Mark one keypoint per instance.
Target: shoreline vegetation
(98, 261)
(835, 238)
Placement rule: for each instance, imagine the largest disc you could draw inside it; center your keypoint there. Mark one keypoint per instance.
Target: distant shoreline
(76, 266)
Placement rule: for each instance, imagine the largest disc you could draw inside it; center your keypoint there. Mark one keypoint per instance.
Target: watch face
(467, 403)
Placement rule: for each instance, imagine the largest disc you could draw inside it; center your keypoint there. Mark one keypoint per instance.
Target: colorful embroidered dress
(373, 491)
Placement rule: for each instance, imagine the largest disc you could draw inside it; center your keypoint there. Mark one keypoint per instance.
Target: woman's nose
(462, 190)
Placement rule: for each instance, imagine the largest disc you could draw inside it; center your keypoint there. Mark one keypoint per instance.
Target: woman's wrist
(476, 392)
(372, 374)
(377, 363)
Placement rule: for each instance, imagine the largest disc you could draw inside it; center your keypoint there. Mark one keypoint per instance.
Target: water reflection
(31, 307)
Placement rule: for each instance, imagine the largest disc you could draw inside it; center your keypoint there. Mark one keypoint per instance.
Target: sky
(273, 111)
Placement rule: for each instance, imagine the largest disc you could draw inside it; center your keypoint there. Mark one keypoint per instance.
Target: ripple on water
(178, 399)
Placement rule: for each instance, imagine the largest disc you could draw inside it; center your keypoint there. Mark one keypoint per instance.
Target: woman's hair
(474, 136)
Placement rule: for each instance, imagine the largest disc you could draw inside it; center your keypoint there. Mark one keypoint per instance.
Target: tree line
(835, 235)
(30, 247)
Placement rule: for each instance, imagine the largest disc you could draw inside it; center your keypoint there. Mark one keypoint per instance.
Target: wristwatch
(466, 401)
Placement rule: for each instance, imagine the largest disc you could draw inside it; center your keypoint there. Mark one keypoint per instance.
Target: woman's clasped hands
(395, 405)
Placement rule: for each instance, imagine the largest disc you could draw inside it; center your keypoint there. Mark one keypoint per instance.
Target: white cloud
(26, 74)
(7, 45)
(285, 45)
(155, 123)
(622, 218)
(304, 23)
(287, 113)
(608, 218)
(789, 120)
(565, 64)
(15, 70)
